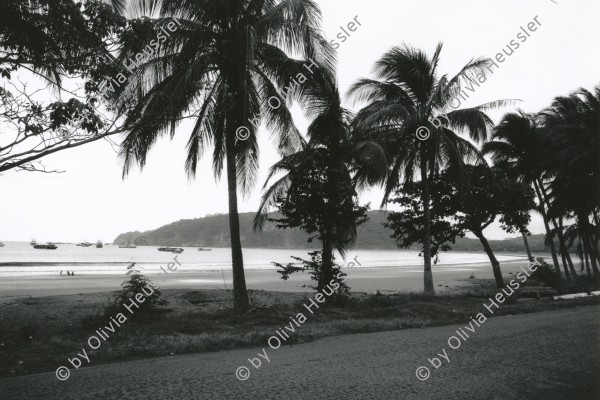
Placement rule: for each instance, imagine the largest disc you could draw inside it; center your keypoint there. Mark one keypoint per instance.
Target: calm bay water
(20, 258)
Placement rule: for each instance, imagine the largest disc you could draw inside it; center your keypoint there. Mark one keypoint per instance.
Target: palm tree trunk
(542, 209)
(240, 295)
(566, 251)
(561, 239)
(327, 268)
(570, 263)
(428, 288)
(592, 253)
(586, 260)
(563, 251)
(526, 243)
(492, 257)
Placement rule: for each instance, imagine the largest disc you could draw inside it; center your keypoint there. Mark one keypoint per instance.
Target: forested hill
(213, 231)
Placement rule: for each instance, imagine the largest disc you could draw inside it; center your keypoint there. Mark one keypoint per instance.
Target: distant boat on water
(49, 246)
(84, 244)
(177, 250)
(128, 246)
(203, 249)
(1, 244)
(99, 244)
(33, 242)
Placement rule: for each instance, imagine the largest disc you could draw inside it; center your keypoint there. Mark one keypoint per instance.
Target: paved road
(550, 356)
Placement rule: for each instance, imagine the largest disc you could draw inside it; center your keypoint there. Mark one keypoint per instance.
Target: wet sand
(449, 279)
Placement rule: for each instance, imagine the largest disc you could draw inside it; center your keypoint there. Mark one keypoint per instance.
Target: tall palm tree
(520, 144)
(403, 102)
(572, 124)
(221, 65)
(318, 178)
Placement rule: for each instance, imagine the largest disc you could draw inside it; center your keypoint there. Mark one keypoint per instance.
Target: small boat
(128, 246)
(177, 250)
(1, 244)
(203, 249)
(49, 246)
(99, 244)
(84, 244)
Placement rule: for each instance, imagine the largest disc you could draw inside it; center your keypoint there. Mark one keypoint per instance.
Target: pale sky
(91, 201)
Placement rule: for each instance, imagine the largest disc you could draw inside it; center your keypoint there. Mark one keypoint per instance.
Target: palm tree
(572, 124)
(317, 179)
(221, 65)
(408, 99)
(521, 146)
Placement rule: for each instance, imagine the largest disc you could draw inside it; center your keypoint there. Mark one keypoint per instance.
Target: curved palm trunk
(588, 245)
(495, 264)
(546, 225)
(566, 258)
(526, 243)
(585, 261)
(240, 295)
(563, 254)
(566, 253)
(428, 288)
(593, 258)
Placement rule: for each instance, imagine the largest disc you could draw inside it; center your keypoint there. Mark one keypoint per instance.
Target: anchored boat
(177, 250)
(48, 246)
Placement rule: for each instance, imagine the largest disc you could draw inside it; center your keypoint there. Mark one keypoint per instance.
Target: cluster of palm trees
(229, 57)
(557, 151)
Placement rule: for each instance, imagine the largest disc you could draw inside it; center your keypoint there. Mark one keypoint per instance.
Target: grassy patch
(40, 334)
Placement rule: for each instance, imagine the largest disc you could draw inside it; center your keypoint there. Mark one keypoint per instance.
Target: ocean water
(20, 258)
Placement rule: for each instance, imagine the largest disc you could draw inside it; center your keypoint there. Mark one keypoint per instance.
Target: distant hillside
(213, 231)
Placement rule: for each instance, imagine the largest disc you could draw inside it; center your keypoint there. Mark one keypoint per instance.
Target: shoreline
(91, 263)
(449, 279)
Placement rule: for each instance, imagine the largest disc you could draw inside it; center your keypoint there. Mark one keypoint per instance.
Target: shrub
(138, 283)
(546, 274)
(314, 266)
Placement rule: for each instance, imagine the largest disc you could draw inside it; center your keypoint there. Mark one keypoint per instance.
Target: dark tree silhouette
(227, 58)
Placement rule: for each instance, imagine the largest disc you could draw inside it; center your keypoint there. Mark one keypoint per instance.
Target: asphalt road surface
(549, 355)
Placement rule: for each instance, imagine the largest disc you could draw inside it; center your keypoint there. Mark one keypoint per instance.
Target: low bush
(546, 274)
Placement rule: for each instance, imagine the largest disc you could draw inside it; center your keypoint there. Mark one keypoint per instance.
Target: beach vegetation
(137, 286)
(406, 95)
(317, 192)
(215, 325)
(314, 267)
(46, 48)
(197, 73)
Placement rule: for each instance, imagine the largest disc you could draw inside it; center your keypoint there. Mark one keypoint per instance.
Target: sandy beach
(448, 279)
